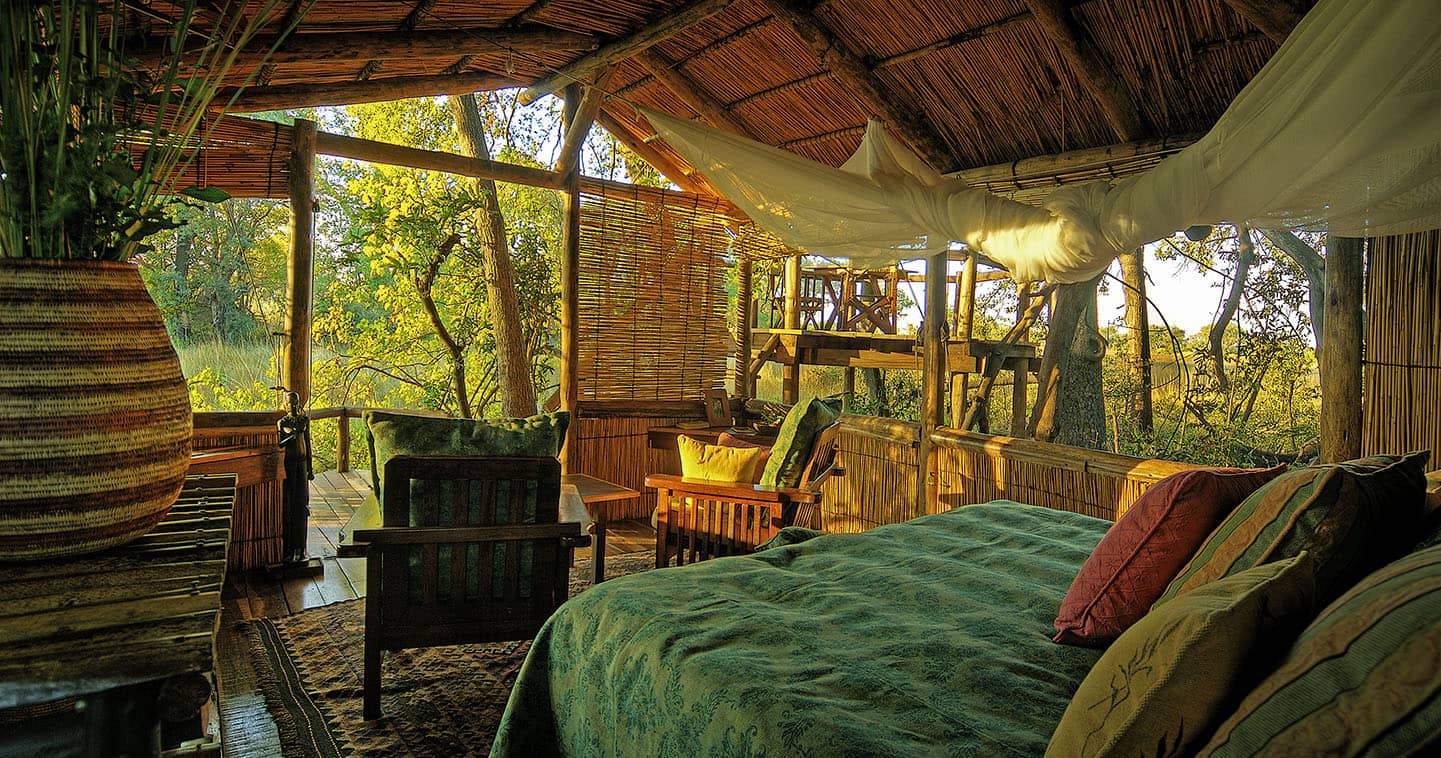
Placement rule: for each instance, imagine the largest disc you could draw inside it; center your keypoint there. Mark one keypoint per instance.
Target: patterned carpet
(437, 701)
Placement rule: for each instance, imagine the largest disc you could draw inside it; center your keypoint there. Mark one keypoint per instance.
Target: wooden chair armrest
(723, 490)
(418, 535)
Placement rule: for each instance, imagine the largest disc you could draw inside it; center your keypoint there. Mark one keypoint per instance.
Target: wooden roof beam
(356, 148)
(624, 47)
(585, 113)
(254, 99)
(1117, 105)
(637, 144)
(857, 78)
(401, 45)
(683, 87)
(1275, 18)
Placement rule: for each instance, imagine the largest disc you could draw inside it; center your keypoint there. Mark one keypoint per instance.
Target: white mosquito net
(1342, 127)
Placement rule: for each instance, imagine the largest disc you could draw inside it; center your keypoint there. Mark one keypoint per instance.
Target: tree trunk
(1340, 364)
(1069, 408)
(517, 392)
(876, 391)
(1244, 258)
(1133, 275)
(184, 242)
(455, 351)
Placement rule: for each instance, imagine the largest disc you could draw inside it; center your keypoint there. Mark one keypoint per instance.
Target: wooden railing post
(342, 455)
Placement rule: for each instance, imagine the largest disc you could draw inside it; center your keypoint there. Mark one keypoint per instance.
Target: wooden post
(745, 269)
(933, 376)
(570, 285)
(1341, 351)
(791, 379)
(1020, 376)
(1138, 323)
(342, 441)
(300, 269)
(965, 319)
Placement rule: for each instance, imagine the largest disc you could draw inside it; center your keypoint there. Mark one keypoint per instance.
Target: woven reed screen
(244, 157)
(652, 298)
(1402, 366)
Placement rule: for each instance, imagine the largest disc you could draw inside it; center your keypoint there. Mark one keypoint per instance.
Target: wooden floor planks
(246, 726)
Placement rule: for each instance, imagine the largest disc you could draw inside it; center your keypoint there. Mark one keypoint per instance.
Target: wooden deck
(246, 727)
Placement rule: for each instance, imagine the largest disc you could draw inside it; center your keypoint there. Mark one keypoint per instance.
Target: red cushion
(1147, 547)
(727, 439)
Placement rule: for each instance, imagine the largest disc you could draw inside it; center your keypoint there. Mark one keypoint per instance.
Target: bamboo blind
(242, 156)
(652, 299)
(1402, 363)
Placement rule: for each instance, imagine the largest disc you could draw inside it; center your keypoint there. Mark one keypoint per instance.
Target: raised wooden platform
(874, 350)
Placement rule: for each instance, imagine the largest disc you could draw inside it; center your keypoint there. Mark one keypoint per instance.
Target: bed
(922, 638)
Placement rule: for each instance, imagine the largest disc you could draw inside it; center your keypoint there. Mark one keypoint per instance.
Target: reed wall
(1402, 366)
(609, 441)
(247, 445)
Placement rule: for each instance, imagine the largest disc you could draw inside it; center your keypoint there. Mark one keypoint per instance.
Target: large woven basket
(94, 412)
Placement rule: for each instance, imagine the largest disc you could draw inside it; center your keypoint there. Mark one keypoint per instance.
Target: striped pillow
(1351, 516)
(1363, 678)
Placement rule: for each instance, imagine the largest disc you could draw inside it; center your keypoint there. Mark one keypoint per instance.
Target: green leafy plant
(96, 129)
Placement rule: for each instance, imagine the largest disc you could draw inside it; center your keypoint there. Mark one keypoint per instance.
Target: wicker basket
(94, 412)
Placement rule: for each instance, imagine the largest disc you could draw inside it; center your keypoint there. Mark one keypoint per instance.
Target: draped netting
(1342, 127)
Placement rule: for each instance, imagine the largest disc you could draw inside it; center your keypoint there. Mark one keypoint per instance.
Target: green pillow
(391, 434)
(1168, 679)
(1363, 679)
(1352, 517)
(795, 440)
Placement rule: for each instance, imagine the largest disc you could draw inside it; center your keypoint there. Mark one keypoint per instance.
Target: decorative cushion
(391, 434)
(795, 440)
(1143, 550)
(1363, 678)
(1169, 678)
(1352, 517)
(716, 463)
(727, 439)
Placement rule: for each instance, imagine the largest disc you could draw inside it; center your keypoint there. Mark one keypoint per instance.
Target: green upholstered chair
(471, 549)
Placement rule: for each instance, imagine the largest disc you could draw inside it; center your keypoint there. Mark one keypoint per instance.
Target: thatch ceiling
(979, 82)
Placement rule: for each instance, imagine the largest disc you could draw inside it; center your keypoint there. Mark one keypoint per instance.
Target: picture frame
(718, 407)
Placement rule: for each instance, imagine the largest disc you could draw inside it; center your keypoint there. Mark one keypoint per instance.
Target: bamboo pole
(570, 284)
(933, 376)
(300, 266)
(1341, 352)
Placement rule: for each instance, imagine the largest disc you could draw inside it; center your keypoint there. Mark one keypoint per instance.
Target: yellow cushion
(718, 464)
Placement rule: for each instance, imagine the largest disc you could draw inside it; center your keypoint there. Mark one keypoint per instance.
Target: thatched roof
(968, 84)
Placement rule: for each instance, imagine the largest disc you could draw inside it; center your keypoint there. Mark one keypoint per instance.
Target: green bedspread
(930, 637)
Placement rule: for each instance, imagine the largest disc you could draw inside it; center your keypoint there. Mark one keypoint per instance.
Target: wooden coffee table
(598, 494)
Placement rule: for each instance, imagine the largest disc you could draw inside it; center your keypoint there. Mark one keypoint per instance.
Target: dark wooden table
(114, 645)
(597, 495)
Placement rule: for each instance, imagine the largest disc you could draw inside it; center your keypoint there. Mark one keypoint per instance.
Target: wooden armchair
(699, 519)
(471, 550)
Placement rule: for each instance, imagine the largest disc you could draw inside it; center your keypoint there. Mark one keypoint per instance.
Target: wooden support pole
(1138, 323)
(300, 268)
(278, 97)
(791, 378)
(624, 47)
(745, 270)
(342, 441)
(965, 318)
(1275, 18)
(584, 115)
(664, 70)
(1020, 376)
(399, 155)
(848, 388)
(853, 74)
(673, 171)
(1117, 105)
(1341, 351)
(933, 377)
(570, 282)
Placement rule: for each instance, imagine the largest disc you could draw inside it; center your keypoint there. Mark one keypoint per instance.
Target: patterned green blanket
(930, 637)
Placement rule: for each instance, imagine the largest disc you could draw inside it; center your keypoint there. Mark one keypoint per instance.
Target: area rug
(436, 701)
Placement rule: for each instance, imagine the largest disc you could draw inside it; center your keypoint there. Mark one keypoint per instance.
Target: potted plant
(94, 413)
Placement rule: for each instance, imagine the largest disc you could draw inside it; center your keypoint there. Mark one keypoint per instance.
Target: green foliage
(91, 149)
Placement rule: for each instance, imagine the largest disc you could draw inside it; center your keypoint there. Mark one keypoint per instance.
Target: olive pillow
(1352, 517)
(1143, 550)
(1166, 681)
(391, 434)
(1363, 679)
